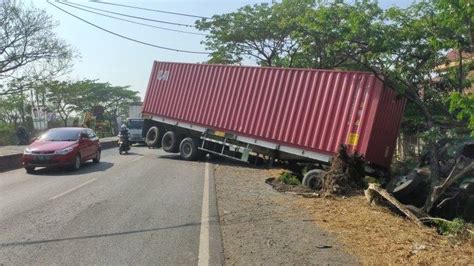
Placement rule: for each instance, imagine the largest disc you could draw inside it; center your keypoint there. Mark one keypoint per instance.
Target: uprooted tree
(401, 46)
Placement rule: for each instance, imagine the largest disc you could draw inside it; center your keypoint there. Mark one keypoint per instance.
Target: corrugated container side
(387, 122)
(315, 110)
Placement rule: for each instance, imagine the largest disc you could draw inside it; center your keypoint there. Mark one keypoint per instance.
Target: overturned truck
(240, 112)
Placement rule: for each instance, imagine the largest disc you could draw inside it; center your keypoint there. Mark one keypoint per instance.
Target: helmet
(123, 126)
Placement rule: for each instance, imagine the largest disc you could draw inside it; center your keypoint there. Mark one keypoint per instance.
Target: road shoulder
(261, 226)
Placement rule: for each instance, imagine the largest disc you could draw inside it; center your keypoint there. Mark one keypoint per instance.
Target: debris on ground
(375, 234)
(375, 194)
(449, 196)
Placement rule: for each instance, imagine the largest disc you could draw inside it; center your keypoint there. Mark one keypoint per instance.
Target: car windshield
(61, 135)
(135, 124)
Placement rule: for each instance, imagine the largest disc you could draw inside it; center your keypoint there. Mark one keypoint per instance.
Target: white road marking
(203, 258)
(72, 189)
(136, 159)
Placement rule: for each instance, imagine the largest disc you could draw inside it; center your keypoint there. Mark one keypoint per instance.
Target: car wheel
(97, 157)
(402, 186)
(77, 162)
(30, 170)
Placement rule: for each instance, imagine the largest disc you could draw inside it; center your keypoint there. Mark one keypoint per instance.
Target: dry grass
(377, 236)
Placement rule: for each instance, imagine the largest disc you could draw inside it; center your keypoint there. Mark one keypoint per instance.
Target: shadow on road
(131, 153)
(86, 168)
(215, 160)
(171, 157)
(33, 242)
(214, 220)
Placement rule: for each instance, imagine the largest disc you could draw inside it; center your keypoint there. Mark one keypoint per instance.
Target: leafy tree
(29, 49)
(455, 20)
(259, 32)
(61, 97)
(463, 105)
(66, 98)
(113, 99)
(318, 30)
(12, 109)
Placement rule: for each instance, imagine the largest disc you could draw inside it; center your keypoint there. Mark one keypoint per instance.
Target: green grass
(457, 227)
(289, 179)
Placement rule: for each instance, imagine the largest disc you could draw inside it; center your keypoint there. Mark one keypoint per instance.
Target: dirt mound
(345, 176)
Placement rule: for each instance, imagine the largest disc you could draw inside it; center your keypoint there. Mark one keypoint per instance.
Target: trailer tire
(170, 143)
(312, 179)
(152, 138)
(188, 149)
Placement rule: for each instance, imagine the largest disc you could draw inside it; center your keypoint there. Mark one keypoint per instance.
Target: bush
(456, 227)
(289, 179)
(7, 134)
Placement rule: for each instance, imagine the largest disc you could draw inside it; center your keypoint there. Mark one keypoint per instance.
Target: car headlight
(27, 151)
(64, 151)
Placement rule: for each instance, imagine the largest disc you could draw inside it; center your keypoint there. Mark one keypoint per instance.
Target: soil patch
(263, 227)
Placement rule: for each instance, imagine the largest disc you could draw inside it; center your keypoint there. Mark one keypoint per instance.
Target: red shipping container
(308, 109)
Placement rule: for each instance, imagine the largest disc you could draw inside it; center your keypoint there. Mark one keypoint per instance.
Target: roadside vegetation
(289, 179)
(33, 65)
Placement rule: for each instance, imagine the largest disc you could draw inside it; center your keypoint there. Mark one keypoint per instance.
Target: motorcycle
(124, 145)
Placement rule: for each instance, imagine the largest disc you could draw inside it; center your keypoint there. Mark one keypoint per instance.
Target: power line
(136, 17)
(125, 37)
(149, 9)
(131, 21)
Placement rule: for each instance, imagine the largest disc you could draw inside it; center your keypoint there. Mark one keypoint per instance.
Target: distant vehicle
(135, 127)
(135, 110)
(62, 147)
(135, 123)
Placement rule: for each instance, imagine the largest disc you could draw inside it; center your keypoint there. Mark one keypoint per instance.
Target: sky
(121, 62)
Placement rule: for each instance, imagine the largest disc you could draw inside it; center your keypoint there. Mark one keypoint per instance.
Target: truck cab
(135, 127)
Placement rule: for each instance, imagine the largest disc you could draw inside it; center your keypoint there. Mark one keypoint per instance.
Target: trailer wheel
(153, 137)
(188, 149)
(312, 180)
(170, 143)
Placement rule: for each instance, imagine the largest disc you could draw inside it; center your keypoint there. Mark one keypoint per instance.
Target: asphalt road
(147, 207)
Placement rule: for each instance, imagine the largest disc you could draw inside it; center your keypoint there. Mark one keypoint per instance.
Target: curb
(13, 161)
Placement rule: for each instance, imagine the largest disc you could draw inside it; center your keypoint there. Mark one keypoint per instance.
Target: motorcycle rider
(124, 134)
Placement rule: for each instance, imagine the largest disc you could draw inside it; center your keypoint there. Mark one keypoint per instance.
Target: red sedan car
(59, 147)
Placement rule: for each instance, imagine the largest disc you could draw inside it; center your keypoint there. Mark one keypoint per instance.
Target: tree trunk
(374, 189)
(434, 162)
(460, 169)
(65, 121)
(460, 71)
(434, 167)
